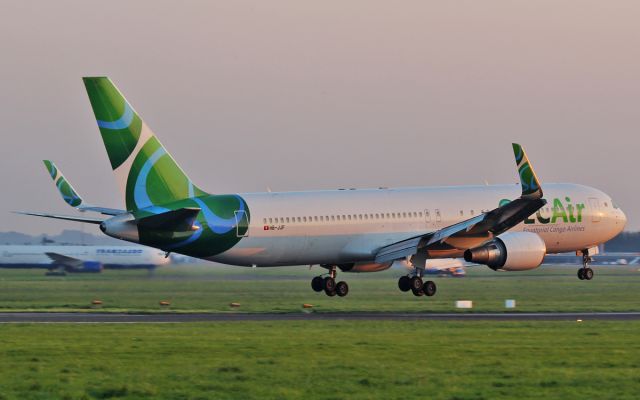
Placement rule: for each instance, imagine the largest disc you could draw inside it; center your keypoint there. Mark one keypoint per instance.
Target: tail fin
(146, 173)
(68, 193)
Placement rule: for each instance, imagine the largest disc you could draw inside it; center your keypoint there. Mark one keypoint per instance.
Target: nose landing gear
(329, 285)
(585, 273)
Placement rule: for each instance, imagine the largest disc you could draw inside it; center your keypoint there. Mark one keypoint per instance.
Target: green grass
(322, 360)
(211, 288)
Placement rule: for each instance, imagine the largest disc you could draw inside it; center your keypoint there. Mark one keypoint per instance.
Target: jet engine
(511, 251)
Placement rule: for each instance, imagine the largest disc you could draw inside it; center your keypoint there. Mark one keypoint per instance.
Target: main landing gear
(416, 285)
(328, 284)
(585, 273)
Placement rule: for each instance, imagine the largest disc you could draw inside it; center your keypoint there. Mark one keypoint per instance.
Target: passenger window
(264, 221)
(270, 220)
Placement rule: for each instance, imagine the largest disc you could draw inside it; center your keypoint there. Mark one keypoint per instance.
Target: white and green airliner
(506, 227)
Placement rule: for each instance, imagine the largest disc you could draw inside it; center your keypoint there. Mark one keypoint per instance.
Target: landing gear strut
(416, 285)
(585, 273)
(329, 285)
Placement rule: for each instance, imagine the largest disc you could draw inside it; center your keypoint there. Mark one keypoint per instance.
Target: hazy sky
(299, 95)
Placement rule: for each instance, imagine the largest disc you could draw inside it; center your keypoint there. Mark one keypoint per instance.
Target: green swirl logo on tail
(528, 179)
(69, 195)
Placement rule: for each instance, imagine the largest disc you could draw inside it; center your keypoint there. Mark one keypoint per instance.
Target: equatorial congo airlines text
(569, 214)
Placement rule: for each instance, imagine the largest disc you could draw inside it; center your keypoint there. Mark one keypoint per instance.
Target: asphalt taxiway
(104, 317)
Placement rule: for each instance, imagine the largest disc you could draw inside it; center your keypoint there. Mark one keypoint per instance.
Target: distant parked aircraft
(80, 258)
(454, 267)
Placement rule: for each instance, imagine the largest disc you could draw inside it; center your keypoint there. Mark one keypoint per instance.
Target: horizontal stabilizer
(179, 220)
(64, 217)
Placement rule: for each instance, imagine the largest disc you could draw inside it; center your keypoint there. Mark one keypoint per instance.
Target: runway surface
(56, 317)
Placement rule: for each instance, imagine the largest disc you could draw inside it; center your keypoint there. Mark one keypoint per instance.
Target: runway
(101, 317)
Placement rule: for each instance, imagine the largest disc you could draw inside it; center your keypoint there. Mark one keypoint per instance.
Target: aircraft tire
(317, 284)
(429, 288)
(581, 274)
(416, 283)
(329, 284)
(588, 274)
(342, 289)
(404, 283)
(417, 293)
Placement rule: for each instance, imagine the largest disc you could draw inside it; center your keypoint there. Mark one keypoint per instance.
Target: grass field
(322, 360)
(211, 288)
(471, 360)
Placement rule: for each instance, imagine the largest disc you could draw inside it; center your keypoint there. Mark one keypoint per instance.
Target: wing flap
(398, 250)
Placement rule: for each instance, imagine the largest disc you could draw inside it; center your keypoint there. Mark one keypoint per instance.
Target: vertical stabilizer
(147, 174)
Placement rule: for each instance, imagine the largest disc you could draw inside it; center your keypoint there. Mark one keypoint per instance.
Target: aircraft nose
(620, 219)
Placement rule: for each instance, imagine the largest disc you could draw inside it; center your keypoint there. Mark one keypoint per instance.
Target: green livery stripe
(155, 179)
(69, 195)
(119, 124)
(528, 179)
(222, 222)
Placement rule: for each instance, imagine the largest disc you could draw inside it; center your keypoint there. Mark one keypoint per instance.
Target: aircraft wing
(65, 260)
(480, 229)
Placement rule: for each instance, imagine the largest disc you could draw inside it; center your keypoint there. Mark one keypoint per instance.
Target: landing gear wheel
(317, 284)
(342, 288)
(416, 284)
(429, 288)
(329, 284)
(417, 293)
(588, 274)
(581, 274)
(404, 283)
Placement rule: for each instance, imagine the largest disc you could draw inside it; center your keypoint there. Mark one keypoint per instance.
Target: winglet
(531, 188)
(68, 193)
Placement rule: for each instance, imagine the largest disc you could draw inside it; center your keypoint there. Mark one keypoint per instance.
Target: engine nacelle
(91, 266)
(511, 251)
